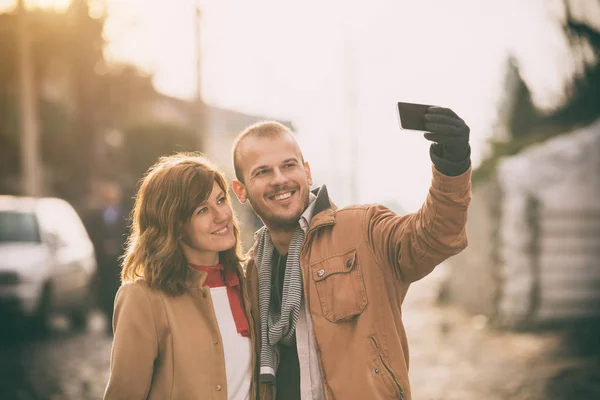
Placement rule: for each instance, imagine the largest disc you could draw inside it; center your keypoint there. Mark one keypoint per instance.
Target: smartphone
(411, 116)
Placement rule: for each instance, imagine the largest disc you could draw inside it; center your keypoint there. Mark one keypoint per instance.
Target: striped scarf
(277, 325)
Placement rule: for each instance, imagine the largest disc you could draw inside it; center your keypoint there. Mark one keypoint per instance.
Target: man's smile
(282, 196)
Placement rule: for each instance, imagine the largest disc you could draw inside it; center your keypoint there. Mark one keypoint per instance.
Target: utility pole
(83, 81)
(31, 179)
(351, 92)
(201, 110)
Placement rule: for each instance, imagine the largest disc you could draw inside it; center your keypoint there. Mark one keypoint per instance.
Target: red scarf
(218, 277)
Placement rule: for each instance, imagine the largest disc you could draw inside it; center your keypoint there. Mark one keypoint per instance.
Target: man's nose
(279, 178)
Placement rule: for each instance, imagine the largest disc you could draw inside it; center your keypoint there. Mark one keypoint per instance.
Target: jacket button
(219, 387)
(348, 263)
(320, 272)
(376, 370)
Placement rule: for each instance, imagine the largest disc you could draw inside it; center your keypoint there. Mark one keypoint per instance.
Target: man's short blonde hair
(262, 130)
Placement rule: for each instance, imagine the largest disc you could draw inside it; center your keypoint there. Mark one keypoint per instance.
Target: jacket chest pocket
(340, 286)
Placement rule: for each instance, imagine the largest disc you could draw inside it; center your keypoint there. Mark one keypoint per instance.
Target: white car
(47, 260)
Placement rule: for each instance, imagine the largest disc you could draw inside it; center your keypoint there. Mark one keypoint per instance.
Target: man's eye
(262, 172)
(290, 165)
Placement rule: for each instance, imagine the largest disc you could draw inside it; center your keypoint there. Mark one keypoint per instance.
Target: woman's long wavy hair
(169, 193)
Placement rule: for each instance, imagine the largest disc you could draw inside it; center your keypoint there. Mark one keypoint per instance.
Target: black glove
(449, 132)
(451, 153)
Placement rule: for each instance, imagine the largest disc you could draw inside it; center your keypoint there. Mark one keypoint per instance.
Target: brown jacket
(357, 264)
(168, 347)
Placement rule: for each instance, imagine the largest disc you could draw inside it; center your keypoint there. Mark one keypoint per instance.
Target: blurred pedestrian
(107, 226)
(327, 283)
(181, 328)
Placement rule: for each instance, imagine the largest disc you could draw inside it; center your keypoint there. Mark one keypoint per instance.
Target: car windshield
(18, 227)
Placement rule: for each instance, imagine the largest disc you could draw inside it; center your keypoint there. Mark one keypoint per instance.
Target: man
(327, 284)
(108, 228)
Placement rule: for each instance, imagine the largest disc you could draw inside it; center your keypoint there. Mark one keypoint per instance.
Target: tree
(81, 97)
(523, 120)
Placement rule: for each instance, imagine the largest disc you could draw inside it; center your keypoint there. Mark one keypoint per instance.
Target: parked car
(47, 260)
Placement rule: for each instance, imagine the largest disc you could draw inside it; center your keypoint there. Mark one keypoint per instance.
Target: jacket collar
(195, 278)
(324, 212)
(322, 202)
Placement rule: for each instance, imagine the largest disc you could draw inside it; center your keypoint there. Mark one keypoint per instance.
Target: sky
(336, 69)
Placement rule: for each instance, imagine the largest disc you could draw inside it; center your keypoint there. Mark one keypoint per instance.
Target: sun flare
(9, 5)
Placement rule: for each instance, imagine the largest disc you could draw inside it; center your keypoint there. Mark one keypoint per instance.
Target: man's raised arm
(413, 245)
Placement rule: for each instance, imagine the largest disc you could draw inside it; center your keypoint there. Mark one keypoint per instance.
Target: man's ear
(308, 173)
(240, 190)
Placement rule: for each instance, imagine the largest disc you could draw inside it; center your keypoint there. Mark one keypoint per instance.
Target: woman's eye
(221, 200)
(201, 210)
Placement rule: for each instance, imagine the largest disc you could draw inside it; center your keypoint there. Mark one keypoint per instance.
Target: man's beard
(275, 222)
(281, 224)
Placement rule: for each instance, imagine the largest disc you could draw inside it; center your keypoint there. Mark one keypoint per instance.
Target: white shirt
(311, 383)
(237, 348)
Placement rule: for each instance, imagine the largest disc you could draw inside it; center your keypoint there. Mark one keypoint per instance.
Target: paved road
(453, 356)
(456, 356)
(61, 365)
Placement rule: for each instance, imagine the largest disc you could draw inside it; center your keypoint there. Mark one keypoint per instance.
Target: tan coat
(357, 264)
(168, 347)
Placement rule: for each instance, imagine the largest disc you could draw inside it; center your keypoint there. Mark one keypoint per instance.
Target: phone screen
(411, 116)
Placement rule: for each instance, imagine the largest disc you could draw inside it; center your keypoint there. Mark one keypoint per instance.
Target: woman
(180, 323)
